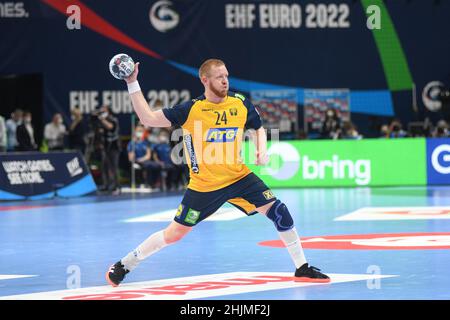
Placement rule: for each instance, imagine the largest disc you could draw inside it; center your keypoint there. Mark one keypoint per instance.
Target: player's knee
(280, 216)
(172, 235)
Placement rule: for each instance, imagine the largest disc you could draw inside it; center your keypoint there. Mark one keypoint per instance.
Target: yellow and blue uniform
(212, 135)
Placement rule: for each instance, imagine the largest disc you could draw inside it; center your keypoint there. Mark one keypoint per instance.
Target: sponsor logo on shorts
(268, 194)
(180, 210)
(233, 111)
(389, 241)
(192, 216)
(221, 135)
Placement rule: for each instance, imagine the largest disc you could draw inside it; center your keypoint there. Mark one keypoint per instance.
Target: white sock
(293, 245)
(151, 245)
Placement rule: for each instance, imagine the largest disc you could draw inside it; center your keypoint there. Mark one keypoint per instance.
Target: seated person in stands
(349, 131)
(139, 151)
(396, 129)
(441, 130)
(163, 156)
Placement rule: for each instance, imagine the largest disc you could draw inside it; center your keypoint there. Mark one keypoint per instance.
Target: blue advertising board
(438, 161)
(33, 175)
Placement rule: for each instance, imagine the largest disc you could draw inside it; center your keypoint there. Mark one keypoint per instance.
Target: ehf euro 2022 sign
(368, 162)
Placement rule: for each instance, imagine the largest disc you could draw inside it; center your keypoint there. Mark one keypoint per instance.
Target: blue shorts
(246, 194)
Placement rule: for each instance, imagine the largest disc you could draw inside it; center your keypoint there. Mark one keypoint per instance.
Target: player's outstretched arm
(147, 117)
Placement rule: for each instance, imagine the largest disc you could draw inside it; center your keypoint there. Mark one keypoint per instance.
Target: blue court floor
(391, 243)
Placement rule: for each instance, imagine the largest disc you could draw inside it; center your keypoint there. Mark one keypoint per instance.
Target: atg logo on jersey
(221, 135)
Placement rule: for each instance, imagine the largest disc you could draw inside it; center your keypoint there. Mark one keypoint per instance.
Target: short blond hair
(207, 65)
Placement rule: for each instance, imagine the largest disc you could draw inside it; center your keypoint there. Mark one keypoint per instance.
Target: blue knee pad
(280, 216)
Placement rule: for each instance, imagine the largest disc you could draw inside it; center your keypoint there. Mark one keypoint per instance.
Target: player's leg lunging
(158, 240)
(282, 219)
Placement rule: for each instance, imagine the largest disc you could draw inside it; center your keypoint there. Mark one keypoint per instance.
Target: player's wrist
(133, 87)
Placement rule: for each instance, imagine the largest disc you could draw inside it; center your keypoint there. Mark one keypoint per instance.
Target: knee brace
(280, 216)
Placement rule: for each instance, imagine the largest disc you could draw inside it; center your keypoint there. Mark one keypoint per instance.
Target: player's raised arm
(147, 117)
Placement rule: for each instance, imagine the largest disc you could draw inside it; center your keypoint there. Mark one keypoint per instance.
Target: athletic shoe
(116, 274)
(310, 274)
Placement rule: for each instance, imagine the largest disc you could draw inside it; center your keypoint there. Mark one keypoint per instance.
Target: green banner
(331, 163)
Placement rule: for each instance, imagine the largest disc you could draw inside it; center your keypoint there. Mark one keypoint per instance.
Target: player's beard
(221, 93)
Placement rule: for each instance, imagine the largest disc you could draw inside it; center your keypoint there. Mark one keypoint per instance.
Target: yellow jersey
(212, 135)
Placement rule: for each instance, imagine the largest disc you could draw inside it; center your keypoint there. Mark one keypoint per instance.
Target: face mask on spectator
(139, 134)
(163, 139)
(152, 138)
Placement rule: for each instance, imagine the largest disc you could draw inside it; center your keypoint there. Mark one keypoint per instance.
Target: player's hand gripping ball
(121, 66)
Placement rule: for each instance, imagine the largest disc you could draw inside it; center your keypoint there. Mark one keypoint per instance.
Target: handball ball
(121, 66)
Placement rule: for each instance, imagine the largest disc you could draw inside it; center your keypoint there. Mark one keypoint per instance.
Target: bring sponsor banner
(331, 163)
(33, 175)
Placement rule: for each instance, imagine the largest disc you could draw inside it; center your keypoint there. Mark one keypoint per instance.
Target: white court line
(196, 287)
(15, 276)
(397, 213)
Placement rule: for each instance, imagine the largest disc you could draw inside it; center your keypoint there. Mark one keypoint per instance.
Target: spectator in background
(384, 131)
(54, 133)
(396, 129)
(302, 135)
(158, 104)
(140, 153)
(349, 131)
(163, 156)
(427, 127)
(25, 134)
(331, 126)
(77, 131)
(11, 128)
(151, 134)
(3, 135)
(110, 149)
(285, 126)
(441, 130)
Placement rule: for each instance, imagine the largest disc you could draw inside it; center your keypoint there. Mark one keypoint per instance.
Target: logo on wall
(438, 161)
(162, 17)
(441, 164)
(12, 9)
(74, 167)
(430, 95)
